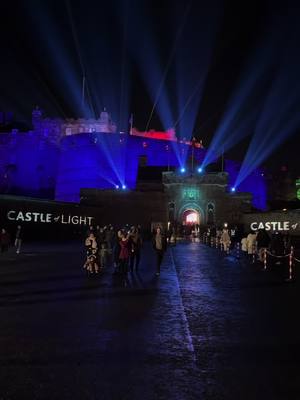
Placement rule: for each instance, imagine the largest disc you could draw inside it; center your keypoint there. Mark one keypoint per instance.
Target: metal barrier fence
(215, 242)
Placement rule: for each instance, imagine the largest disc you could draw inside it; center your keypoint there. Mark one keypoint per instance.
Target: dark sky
(188, 55)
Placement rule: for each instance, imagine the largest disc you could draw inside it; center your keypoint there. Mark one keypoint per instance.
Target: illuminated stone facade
(204, 195)
(58, 128)
(173, 200)
(54, 163)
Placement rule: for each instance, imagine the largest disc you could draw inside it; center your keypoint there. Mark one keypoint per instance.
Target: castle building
(64, 160)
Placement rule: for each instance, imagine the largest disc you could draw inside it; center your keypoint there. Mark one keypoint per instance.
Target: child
(91, 263)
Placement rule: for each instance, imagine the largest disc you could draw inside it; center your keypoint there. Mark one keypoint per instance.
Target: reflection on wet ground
(210, 327)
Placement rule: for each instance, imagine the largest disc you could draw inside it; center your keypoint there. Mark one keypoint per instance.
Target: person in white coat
(225, 240)
(251, 243)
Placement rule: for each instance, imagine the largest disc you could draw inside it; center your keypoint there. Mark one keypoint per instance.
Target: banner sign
(275, 226)
(48, 218)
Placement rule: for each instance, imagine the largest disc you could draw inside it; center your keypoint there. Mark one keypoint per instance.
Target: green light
(190, 193)
(298, 188)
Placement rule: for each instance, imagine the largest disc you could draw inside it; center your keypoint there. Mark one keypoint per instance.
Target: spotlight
(200, 170)
(117, 186)
(182, 170)
(123, 187)
(233, 189)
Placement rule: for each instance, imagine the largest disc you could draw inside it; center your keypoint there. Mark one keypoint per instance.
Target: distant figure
(19, 238)
(159, 243)
(135, 248)
(4, 240)
(225, 240)
(109, 236)
(277, 245)
(103, 253)
(244, 245)
(116, 251)
(173, 238)
(251, 243)
(124, 253)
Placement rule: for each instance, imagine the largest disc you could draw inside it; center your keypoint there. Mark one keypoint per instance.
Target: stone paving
(210, 327)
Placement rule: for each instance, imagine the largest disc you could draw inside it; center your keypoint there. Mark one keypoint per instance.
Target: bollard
(265, 259)
(237, 250)
(291, 256)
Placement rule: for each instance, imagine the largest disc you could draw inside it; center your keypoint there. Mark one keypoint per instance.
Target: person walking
(116, 248)
(135, 246)
(251, 243)
(124, 253)
(159, 243)
(225, 240)
(19, 238)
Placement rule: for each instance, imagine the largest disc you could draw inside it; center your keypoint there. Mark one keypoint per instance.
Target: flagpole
(83, 90)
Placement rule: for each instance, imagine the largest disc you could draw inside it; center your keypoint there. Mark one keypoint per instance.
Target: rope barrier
(217, 244)
(274, 255)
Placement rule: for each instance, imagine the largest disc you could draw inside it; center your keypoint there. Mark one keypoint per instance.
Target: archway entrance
(191, 217)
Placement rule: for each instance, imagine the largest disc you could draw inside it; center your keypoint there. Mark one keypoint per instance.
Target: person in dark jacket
(124, 253)
(159, 243)
(135, 248)
(263, 242)
(4, 240)
(277, 246)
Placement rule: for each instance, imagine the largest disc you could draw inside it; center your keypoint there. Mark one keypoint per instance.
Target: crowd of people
(252, 243)
(277, 244)
(121, 248)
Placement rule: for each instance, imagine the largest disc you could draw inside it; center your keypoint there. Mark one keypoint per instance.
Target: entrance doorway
(191, 217)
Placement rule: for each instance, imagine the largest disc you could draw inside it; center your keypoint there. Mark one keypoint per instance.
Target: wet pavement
(210, 327)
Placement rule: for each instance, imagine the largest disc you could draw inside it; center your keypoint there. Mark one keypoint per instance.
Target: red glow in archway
(191, 217)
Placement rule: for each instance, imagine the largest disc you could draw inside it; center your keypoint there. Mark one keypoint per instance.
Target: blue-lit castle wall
(28, 164)
(254, 183)
(32, 164)
(100, 160)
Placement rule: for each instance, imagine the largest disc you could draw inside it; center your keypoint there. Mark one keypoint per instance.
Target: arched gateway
(190, 214)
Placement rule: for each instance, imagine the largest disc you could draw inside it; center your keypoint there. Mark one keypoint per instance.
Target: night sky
(196, 62)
